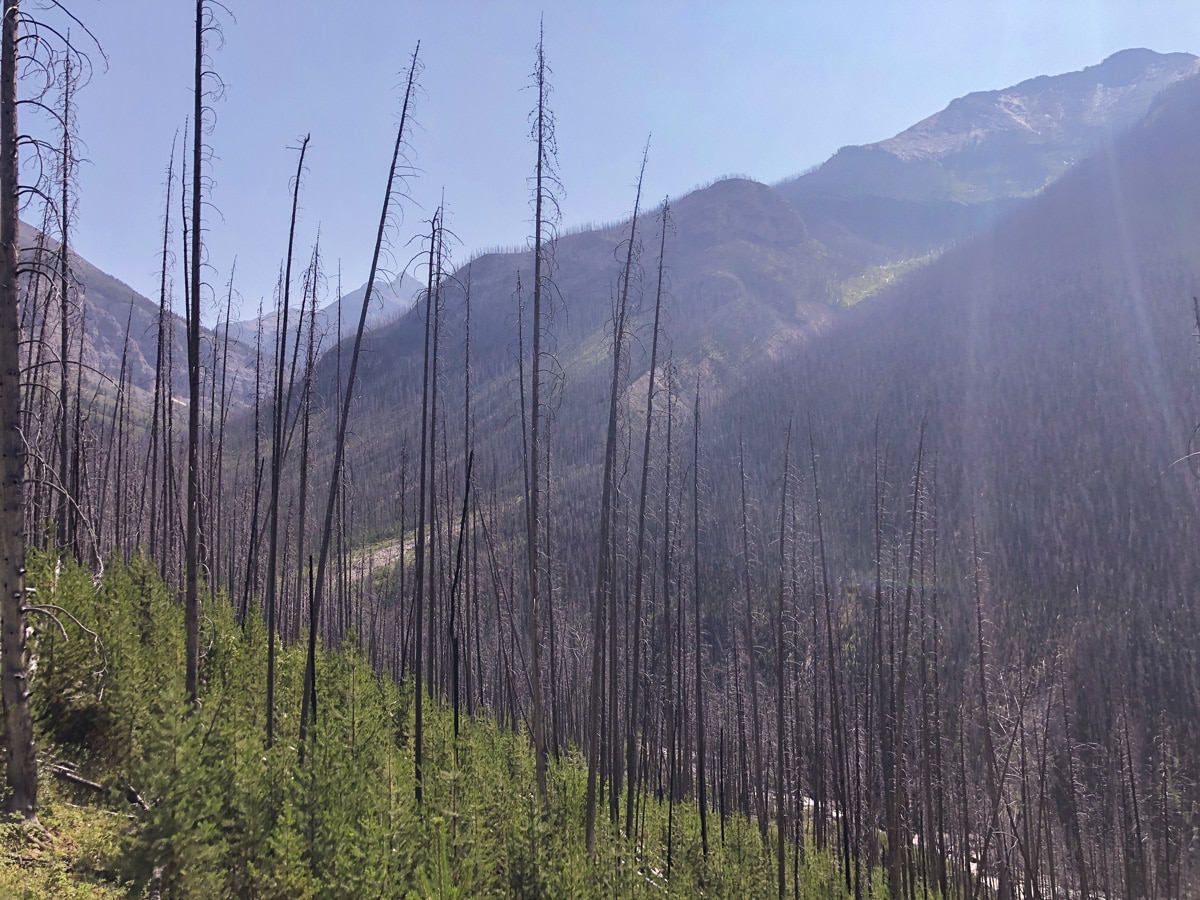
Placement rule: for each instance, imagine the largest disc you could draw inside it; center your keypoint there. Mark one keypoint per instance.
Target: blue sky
(765, 89)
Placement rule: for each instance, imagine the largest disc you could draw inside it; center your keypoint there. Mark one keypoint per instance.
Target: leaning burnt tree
(339, 453)
(604, 592)
(279, 416)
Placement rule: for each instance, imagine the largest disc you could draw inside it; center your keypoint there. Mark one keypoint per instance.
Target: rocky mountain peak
(1059, 109)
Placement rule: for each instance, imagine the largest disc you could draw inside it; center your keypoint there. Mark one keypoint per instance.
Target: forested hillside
(831, 539)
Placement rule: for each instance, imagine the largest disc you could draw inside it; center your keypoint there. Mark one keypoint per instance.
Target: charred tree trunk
(279, 415)
(780, 833)
(702, 797)
(20, 755)
(422, 530)
(192, 533)
(348, 395)
(156, 415)
(67, 434)
(760, 803)
(544, 136)
(898, 789)
(639, 554)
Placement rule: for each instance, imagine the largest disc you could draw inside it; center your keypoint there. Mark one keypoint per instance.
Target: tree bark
(20, 752)
(192, 539)
(701, 787)
(278, 419)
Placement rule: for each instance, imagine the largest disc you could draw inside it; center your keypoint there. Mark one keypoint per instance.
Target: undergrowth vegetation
(136, 780)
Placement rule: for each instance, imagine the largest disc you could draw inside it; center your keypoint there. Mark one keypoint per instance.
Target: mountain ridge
(1110, 95)
(962, 168)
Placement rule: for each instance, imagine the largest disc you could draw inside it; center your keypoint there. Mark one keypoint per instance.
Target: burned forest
(830, 538)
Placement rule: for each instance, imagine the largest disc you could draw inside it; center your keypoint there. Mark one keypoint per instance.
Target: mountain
(762, 267)
(754, 274)
(1049, 359)
(960, 169)
(743, 276)
(1052, 363)
(389, 300)
(753, 308)
(105, 311)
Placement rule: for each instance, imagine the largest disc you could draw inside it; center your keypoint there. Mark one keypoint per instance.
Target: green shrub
(226, 817)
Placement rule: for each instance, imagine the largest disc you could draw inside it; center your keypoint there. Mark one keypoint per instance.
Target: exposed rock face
(956, 171)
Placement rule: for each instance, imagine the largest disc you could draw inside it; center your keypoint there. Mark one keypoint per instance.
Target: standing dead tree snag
(21, 758)
(68, 437)
(422, 530)
(700, 736)
(206, 25)
(339, 453)
(279, 418)
(192, 540)
(780, 814)
(544, 207)
(605, 596)
(640, 555)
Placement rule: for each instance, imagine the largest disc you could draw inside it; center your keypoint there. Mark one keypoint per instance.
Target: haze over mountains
(389, 300)
(1047, 344)
(1052, 360)
(961, 168)
(750, 278)
(105, 310)
(739, 254)
(940, 391)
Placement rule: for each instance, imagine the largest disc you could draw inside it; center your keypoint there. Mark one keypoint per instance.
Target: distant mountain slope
(743, 279)
(104, 309)
(389, 300)
(755, 268)
(959, 169)
(1053, 359)
(748, 282)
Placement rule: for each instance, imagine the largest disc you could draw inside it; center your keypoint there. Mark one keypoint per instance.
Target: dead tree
(205, 23)
(760, 804)
(279, 415)
(68, 436)
(543, 204)
(899, 698)
(348, 395)
(423, 494)
(780, 833)
(635, 680)
(837, 729)
(702, 798)
(21, 757)
(604, 579)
